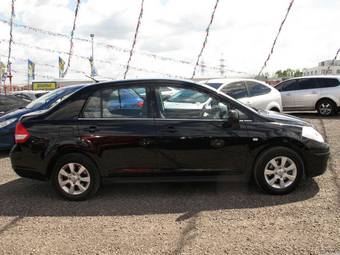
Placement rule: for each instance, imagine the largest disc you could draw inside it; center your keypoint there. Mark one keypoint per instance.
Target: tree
(288, 73)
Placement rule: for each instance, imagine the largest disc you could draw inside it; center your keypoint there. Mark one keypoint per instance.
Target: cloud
(243, 31)
(113, 27)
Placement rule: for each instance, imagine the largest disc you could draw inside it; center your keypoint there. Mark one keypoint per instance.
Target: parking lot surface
(180, 218)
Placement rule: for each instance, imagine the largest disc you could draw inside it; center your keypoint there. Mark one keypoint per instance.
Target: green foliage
(288, 73)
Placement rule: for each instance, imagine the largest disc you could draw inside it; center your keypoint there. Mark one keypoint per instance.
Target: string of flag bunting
(134, 38)
(276, 37)
(205, 39)
(71, 38)
(333, 60)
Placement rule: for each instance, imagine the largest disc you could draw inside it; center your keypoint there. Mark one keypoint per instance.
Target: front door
(117, 127)
(197, 135)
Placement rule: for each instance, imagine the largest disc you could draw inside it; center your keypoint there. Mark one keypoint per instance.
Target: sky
(242, 34)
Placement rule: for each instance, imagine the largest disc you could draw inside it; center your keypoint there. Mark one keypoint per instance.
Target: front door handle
(91, 129)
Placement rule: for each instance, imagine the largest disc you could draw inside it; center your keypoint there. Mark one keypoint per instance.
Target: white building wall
(323, 67)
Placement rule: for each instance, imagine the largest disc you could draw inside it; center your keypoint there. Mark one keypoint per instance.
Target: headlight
(5, 123)
(311, 133)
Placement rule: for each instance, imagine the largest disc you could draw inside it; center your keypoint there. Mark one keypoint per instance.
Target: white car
(309, 93)
(251, 92)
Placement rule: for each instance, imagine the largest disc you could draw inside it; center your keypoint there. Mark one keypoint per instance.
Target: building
(322, 68)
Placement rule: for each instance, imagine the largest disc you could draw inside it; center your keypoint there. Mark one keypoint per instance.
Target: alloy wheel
(325, 109)
(280, 172)
(74, 179)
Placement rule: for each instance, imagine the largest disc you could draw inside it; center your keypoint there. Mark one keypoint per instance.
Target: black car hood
(283, 118)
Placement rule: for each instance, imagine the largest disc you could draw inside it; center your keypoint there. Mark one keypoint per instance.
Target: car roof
(229, 80)
(156, 80)
(315, 76)
(225, 81)
(311, 76)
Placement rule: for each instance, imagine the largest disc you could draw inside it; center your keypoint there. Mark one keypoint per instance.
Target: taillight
(140, 103)
(21, 133)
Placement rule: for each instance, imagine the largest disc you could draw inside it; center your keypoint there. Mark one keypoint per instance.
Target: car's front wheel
(278, 170)
(75, 177)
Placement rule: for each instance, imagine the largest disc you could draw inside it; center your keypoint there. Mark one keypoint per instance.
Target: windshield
(52, 97)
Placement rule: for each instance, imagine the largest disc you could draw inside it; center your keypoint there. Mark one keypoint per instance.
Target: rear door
(117, 126)
(199, 141)
(307, 94)
(258, 95)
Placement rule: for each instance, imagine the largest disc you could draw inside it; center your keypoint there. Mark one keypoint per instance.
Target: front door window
(187, 103)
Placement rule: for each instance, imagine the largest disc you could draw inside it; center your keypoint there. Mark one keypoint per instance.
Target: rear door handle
(91, 129)
(169, 129)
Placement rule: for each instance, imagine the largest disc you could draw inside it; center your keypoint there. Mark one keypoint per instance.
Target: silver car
(251, 92)
(309, 93)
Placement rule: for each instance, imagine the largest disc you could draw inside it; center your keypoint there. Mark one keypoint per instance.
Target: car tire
(75, 177)
(326, 107)
(278, 170)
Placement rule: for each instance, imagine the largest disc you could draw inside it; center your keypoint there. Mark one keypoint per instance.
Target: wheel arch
(331, 98)
(64, 151)
(274, 105)
(289, 143)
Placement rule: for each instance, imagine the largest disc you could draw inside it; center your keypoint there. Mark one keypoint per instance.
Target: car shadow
(4, 154)
(24, 197)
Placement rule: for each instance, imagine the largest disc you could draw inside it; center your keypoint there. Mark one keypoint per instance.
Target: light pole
(91, 58)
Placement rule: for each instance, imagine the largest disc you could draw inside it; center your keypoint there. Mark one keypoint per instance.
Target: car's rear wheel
(326, 107)
(278, 170)
(75, 177)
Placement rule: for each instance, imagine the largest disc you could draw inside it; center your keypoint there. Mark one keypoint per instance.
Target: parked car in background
(309, 93)
(9, 120)
(29, 95)
(251, 92)
(81, 141)
(9, 103)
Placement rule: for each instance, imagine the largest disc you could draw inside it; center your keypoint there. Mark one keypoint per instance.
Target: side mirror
(234, 118)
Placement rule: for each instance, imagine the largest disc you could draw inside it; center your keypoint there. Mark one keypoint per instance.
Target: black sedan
(130, 131)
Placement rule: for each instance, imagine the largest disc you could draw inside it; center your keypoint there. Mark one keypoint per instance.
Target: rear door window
(257, 89)
(327, 82)
(117, 103)
(236, 90)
